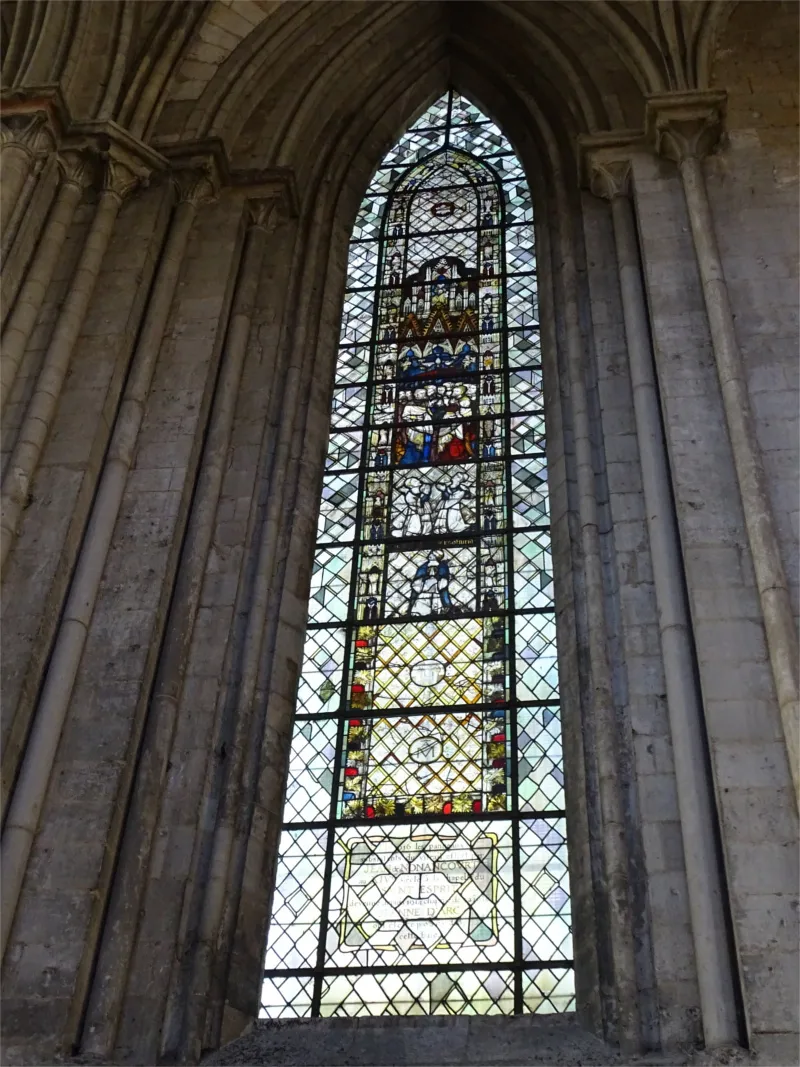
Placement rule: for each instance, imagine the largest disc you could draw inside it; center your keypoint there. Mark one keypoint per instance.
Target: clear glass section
(428, 893)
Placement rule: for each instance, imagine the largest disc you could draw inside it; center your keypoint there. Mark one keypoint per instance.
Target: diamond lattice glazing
(423, 864)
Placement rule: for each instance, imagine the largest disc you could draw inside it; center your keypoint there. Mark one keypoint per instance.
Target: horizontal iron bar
(502, 226)
(439, 709)
(396, 620)
(430, 817)
(511, 275)
(440, 376)
(433, 968)
(513, 457)
(511, 330)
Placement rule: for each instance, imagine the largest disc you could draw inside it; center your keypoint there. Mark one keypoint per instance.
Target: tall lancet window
(423, 863)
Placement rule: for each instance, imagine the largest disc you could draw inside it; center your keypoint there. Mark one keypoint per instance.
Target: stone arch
(389, 105)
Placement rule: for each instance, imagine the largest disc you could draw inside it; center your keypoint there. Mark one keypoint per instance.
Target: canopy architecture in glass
(423, 860)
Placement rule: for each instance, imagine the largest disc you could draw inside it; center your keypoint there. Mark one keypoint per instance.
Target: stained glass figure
(423, 862)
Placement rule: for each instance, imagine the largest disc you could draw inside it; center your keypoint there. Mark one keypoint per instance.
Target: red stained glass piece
(447, 808)
(370, 812)
(351, 772)
(498, 762)
(354, 722)
(496, 738)
(476, 805)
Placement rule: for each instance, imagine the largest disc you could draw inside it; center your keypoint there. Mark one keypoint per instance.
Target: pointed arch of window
(423, 860)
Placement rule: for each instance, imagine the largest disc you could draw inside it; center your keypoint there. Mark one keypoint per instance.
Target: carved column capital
(686, 125)
(273, 184)
(609, 177)
(264, 213)
(199, 169)
(30, 132)
(198, 182)
(123, 162)
(122, 174)
(76, 167)
(605, 162)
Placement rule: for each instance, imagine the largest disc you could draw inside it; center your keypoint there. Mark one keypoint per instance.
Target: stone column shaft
(601, 702)
(12, 222)
(29, 302)
(25, 137)
(44, 402)
(692, 774)
(685, 131)
(237, 706)
(105, 512)
(108, 992)
(17, 162)
(29, 794)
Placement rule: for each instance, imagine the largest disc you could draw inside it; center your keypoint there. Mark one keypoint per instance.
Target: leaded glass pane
(423, 862)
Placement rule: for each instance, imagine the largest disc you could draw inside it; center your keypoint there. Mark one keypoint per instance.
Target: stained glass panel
(423, 863)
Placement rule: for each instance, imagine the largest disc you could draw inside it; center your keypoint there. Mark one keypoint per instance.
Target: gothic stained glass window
(423, 861)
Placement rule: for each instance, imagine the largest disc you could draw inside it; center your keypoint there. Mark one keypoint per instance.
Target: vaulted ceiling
(277, 81)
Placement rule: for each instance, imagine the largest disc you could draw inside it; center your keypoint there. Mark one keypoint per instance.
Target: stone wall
(143, 903)
(754, 192)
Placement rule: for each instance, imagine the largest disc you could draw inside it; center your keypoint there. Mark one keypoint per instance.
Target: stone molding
(678, 126)
(210, 156)
(686, 125)
(38, 120)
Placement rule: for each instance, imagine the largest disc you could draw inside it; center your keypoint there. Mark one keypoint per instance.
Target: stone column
(119, 179)
(29, 794)
(13, 223)
(194, 187)
(625, 1026)
(24, 138)
(238, 696)
(685, 127)
(109, 990)
(76, 172)
(609, 174)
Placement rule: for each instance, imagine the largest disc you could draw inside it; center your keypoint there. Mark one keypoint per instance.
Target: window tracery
(423, 863)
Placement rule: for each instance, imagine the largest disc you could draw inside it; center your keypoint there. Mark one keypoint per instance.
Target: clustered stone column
(624, 1026)
(608, 170)
(195, 185)
(170, 677)
(25, 140)
(237, 709)
(685, 127)
(120, 177)
(76, 171)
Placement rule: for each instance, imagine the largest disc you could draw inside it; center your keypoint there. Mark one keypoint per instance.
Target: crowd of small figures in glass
(423, 864)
